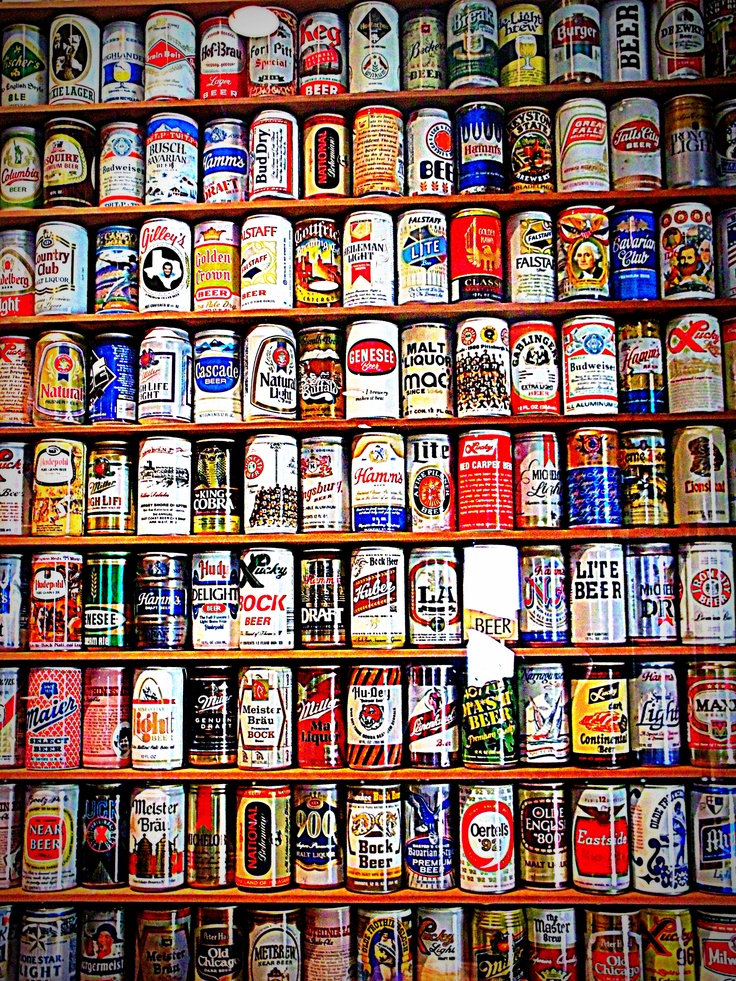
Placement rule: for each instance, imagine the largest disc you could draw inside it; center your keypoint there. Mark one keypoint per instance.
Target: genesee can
(317, 263)
(50, 837)
(17, 278)
(53, 718)
(74, 60)
(583, 255)
(423, 49)
(109, 489)
(323, 599)
(634, 255)
(589, 367)
(106, 600)
(377, 610)
(544, 727)
(485, 498)
(273, 152)
(659, 838)
(61, 268)
(374, 840)
(426, 370)
(321, 378)
(644, 477)
(694, 364)
(706, 593)
(122, 165)
(475, 255)
(529, 136)
(123, 62)
(216, 266)
(535, 368)
(430, 483)
(55, 618)
(103, 858)
(266, 262)
(222, 61)
(581, 139)
(69, 163)
(713, 808)
(263, 844)
(597, 602)
(270, 494)
(210, 851)
(272, 60)
(373, 48)
(116, 270)
(600, 838)
(378, 482)
(374, 718)
(161, 607)
(212, 703)
(650, 593)
(479, 156)
(172, 158)
(217, 376)
(655, 713)
(686, 265)
(157, 837)
(378, 151)
(327, 171)
(677, 37)
(21, 168)
(319, 860)
(323, 62)
(472, 43)
(264, 718)
(430, 847)
(433, 717)
(165, 375)
(711, 720)
(162, 937)
(165, 266)
(636, 159)
(482, 367)
(368, 259)
(537, 483)
(158, 719)
(225, 161)
(522, 45)
(320, 721)
(25, 57)
(325, 490)
(625, 51)
(700, 475)
(574, 31)
(530, 258)
(429, 149)
(486, 835)
(215, 601)
(594, 478)
(59, 471)
(543, 860)
(107, 711)
(434, 608)
(171, 56)
(266, 598)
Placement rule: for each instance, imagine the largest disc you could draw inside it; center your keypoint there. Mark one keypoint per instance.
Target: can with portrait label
(216, 266)
(686, 263)
(165, 266)
(583, 254)
(535, 368)
(74, 60)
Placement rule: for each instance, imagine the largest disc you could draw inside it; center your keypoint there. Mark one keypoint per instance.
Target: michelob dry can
(158, 718)
(374, 840)
(377, 599)
(486, 843)
(263, 841)
(650, 593)
(157, 837)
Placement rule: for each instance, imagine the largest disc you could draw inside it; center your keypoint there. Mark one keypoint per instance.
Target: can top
(170, 13)
(470, 212)
(688, 97)
(582, 101)
(325, 117)
(486, 432)
(483, 105)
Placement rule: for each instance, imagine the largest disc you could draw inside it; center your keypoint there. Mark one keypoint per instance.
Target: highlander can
(544, 727)
(373, 48)
(476, 268)
(266, 598)
(377, 599)
(486, 836)
(157, 837)
(537, 483)
(650, 593)
(171, 56)
(263, 840)
(323, 62)
(636, 157)
(655, 713)
(50, 838)
(430, 484)
(123, 62)
(327, 171)
(423, 50)
(530, 258)
(374, 840)
(122, 165)
(158, 719)
(625, 51)
(225, 161)
(272, 60)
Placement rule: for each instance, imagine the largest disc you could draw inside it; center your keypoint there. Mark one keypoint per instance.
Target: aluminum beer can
(103, 944)
(53, 718)
(263, 843)
(50, 837)
(266, 262)
(581, 139)
(122, 165)
(25, 57)
(107, 717)
(14, 604)
(729, 347)
(594, 478)
(266, 598)
(319, 860)
(726, 242)
(55, 618)
(116, 269)
(264, 718)
(482, 367)
(74, 60)
(475, 255)
(374, 718)
(172, 158)
(706, 599)
(677, 36)
(686, 264)
(650, 593)
(479, 155)
(317, 263)
(123, 62)
(720, 26)
(272, 60)
(472, 43)
(544, 726)
(162, 937)
(373, 48)
(69, 163)
(368, 259)
(487, 838)
(217, 376)
(433, 715)
(529, 136)
(378, 482)
(323, 599)
(543, 859)
(16, 378)
(222, 61)
(21, 168)
(700, 475)
(530, 258)
(597, 603)
(327, 170)
(641, 373)
(215, 601)
(273, 152)
(725, 143)
(378, 151)
(171, 56)
(216, 266)
(62, 268)
(485, 497)
(274, 941)
(574, 32)
(589, 367)
(689, 141)
(644, 477)
(270, 488)
(320, 720)
(711, 722)
(161, 601)
(668, 943)
(695, 364)
(655, 713)
(442, 953)
(106, 600)
(544, 613)
(497, 944)
(158, 719)
(210, 851)
(430, 483)
(537, 483)
(634, 255)
(600, 838)
(60, 377)
(323, 61)
(321, 375)
(165, 266)
(625, 48)
(659, 820)
(48, 932)
(434, 609)
(424, 50)
(583, 254)
(212, 702)
(713, 810)
(377, 600)
(15, 513)
(552, 942)
(426, 370)
(429, 153)
(157, 837)
(522, 45)
(218, 949)
(225, 160)
(17, 280)
(430, 848)
(489, 727)
(374, 841)
(165, 375)
(109, 489)
(13, 704)
(636, 158)
(103, 833)
(600, 715)
(422, 254)
(535, 368)
(325, 490)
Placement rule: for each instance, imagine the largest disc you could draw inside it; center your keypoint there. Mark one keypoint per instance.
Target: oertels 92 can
(487, 838)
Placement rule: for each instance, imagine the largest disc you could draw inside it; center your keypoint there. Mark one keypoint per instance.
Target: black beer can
(104, 836)
(323, 599)
(213, 699)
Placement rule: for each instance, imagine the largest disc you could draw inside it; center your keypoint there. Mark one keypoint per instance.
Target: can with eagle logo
(374, 841)
(430, 845)
(374, 717)
(487, 843)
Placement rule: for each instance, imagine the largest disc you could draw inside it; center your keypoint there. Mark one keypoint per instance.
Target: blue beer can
(225, 161)
(654, 709)
(113, 379)
(429, 851)
(116, 269)
(479, 148)
(593, 478)
(713, 816)
(543, 615)
(634, 255)
(650, 593)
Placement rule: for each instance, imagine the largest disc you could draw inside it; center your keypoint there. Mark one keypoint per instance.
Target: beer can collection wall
(367, 598)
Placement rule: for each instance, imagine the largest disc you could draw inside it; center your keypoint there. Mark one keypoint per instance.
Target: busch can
(225, 160)
(271, 476)
(686, 262)
(263, 843)
(116, 270)
(272, 60)
(216, 266)
(543, 859)
(479, 156)
(25, 57)
(368, 259)
(161, 607)
(589, 367)
(123, 62)
(640, 367)
(530, 258)
(222, 61)
(650, 593)
(544, 726)
(625, 51)
(543, 596)
(273, 150)
(529, 135)
(600, 838)
(212, 701)
(429, 156)
(264, 718)
(122, 165)
(677, 39)
(644, 477)
(659, 838)
(434, 609)
(378, 482)
(55, 618)
(535, 368)
(430, 848)
(165, 266)
(157, 837)
(325, 490)
(636, 158)
(475, 255)
(483, 367)
(426, 370)
(215, 601)
(107, 710)
(597, 603)
(217, 376)
(103, 832)
(378, 150)
(320, 720)
(327, 171)
(522, 45)
(266, 598)
(581, 138)
(537, 483)
(593, 478)
(323, 62)
(269, 372)
(430, 484)
(377, 599)
(53, 718)
(583, 254)
(62, 268)
(210, 849)
(373, 48)
(574, 31)
(318, 857)
(158, 718)
(713, 810)
(172, 158)
(74, 60)
(487, 838)
(266, 262)
(472, 43)
(171, 56)
(317, 263)
(634, 255)
(50, 837)
(374, 839)
(424, 50)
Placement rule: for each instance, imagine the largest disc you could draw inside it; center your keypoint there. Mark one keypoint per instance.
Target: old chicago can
(55, 618)
(123, 62)
(15, 505)
(102, 953)
(270, 494)
(636, 159)
(325, 490)
(543, 835)
(655, 713)
(162, 938)
(74, 60)
(106, 703)
(172, 158)
(50, 837)
(486, 833)
(47, 932)
(263, 842)
(165, 375)
(272, 60)
(634, 255)
(625, 51)
(69, 163)
(273, 152)
(426, 370)
(222, 61)
(13, 704)
(103, 833)
(317, 263)
(423, 49)
(53, 718)
(725, 143)
(581, 140)
(430, 848)
(594, 478)
(543, 597)
(161, 607)
(320, 720)
(210, 851)
(116, 269)
(368, 259)
(377, 600)
(713, 808)
(266, 262)
(25, 57)
(529, 137)
(323, 63)
(378, 151)
(600, 720)
(373, 48)
(434, 610)
(323, 599)
(327, 171)
(378, 482)
(613, 943)
(17, 280)
(485, 497)
(266, 598)
(650, 593)
(497, 944)
(216, 266)
(544, 727)
(476, 268)
(535, 368)
(597, 602)
(212, 702)
(14, 605)
(530, 258)
(711, 719)
(667, 936)
(583, 254)
(686, 263)
(689, 138)
(318, 859)
(677, 36)
(700, 475)
(60, 377)
(659, 838)
(109, 489)
(706, 597)
(589, 368)
(218, 948)
(472, 43)
(429, 150)
(489, 727)
(640, 367)
(215, 601)
(374, 718)
(106, 600)
(321, 384)
(522, 47)
(600, 838)
(483, 369)
(537, 483)
(21, 168)
(430, 483)
(374, 840)
(157, 837)
(122, 165)
(695, 364)
(165, 266)
(264, 718)
(217, 376)
(61, 268)
(574, 31)
(433, 715)
(16, 378)
(158, 718)
(552, 942)
(479, 154)
(225, 161)
(644, 477)
(171, 53)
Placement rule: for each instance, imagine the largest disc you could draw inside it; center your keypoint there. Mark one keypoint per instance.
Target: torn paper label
(491, 588)
(488, 659)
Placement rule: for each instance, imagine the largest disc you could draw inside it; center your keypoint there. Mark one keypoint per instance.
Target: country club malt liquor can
(574, 31)
(374, 718)
(650, 593)
(263, 841)
(60, 377)
(25, 57)
(372, 370)
(59, 471)
(597, 600)
(725, 143)
(479, 155)
(655, 713)
(543, 859)
(123, 62)
(706, 601)
(323, 61)
(535, 368)
(581, 139)
(218, 949)
(12, 690)
(715, 938)
(320, 720)
(157, 724)
(171, 56)
(122, 165)
(368, 259)
(589, 365)
(426, 370)
(530, 258)
(700, 475)
(48, 933)
(21, 168)
(634, 255)
(165, 266)
(317, 263)
(390, 927)
(69, 163)
(162, 937)
(377, 600)
(673, 955)
(272, 60)
(212, 701)
(323, 599)
(273, 155)
(726, 239)
(225, 161)
(677, 36)
(74, 60)
(374, 841)
(489, 728)
(711, 724)
(17, 276)
(325, 489)
(103, 833)
(472, 43)
(274, 941)
(172, 158)
(482, 367)
(434, 608)
(14, 604)
(217, 376)
(522, 45)
(106, 600)
(430, 484)
(157, 837)
(713, 809)
(635, 139)
(686, 264)
(269, 372)
(537, 483)
(116, 269)
(424, 50)
(529, 137)
(161, 607)
(270, 488)
(378, 151)
(210, 852)
(544, 727)
(266, 262)
(659, 838)
(222, 61)
(107, 717)
(600, 839)
(61, 268)
(433, 715)
(110, 505)
(216, 266)
(429, 861)
(55, 618)
(15, 507)
(53, 718)
(640, 367)
(16, 379)
(487, 838)
(50, 837)
(267, 598)
(625, 51)
(373, 48)
(552, 942)
(583, 254)
(600, 721)
(689, 141)
(102, 944)
(695, 364)
(485, 496)
(215, 601)
(644, 477)
(422, 256)
(165, 375)
(594, 478)
(264, 718)
(327, 170)
(429, 153)
(497, 943)
(476, 268)
(319, 861)
(11, 839)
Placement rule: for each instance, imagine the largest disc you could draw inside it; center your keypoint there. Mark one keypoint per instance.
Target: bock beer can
(106, 600)
(368, 259)
(581, 140)
(263, 842)
(62, 268)
(378, 150)
(374, 718)
(636, 158)
(323, 62)
(600, 838)
(60, 377)
(373, 48)
(25, 58)
(323, 599)
(574, 32)
(583, 254)
(264, 718)
(17, 282)
(537, 483)
(266, 598)
(13, 705)
(543, 596)
(429, 153)
(123, 61)
(713, 810)
(487, 843)
(625, 48)
(327, 170)
(212, 704)
(700, 475)
(171, 56)
(158, 718)
(482, 367)
(319, 859)
(655, 713)
(476, 268)
(273, 152)
(116, 270)
(377, 599)
(544, 726)
(270, 497)
(543, 859)
(107, 717)
(711, 723)
(374, 840)
(634, 255)
(426, 370)
(594, 478)
(222, 61)
(430, 848)
(216, 266)
(529, 136)
(694, 364)
(161, 600)
(165, 266)
(677, 36)
(530, 258)
(422, 256)
(522, 45)
(686, 263)
(485, 497)
(266, 262)
(74, 60)
(122, 165)
(430, 483)
(650, 593)
(53, 718)
(317, 263)
(103, 833)
(320, 720)
(644, 477)
(210, 851)
(552, 942)
(479, 155)
(706, 593)
(14, 604)
(50, 837)
(225, 159)
(597, 601)
(157, 837)
(172, 158)
(535, 368)
(659, 820)
(15, 510)
(272, 60)
(55, 618)
(589, 367)
(164, 486)
(434, 609)
(162, 937)
(472, 43)
(21, 168)
(423, 50)
(215, 601)
(217, 376)
(218, 951)
(378, 482)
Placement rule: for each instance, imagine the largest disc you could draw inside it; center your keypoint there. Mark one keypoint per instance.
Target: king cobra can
(317, 263)
(266, 598)
(17, 283)
(74, 60)
(116, 270)
(574, 31)
(215, 601)
(655, 712)
(25, 57)
(21, 168)
(171, 56)
(165, 266)
(374, 840)
(157, 837)
(589, 367)
(522, 47)
(222, 61)
(210, 852)
(686, 264)
(543, 860)
(597, 602)
(374, 718)
(659, 838)
(319, 860)
(107, 711)
(624, 50)
(165, 375)
(55, 619)
(122, 165)
(581, 138)
(479, 155)
(323, 62)
(426, 370)
(537, 484)
(324, 484)
(644, 477)
(216, 266)
(677, 36)
(264, 718)
(377, 599)
(272, 60)
(583, 254)
(529, 135)
(327, 171)
(158, 721)
(225, 160)
(263, 843)
(106, 600)
(535, 368)
(50, 837)
(487, 838)
(61, 268)
(424, 50)
(123, 62)
(378, 482)
(323, 599)
(216, 503)
(320, 725)
(373, 48)
(273, 151)
(700, 475)
(475, 254)
(431, 489)
(53, 718)
(368, 259)
(378, 151)
(104, 836)
(162, 938)
(430, 847)
(266, 262)
(713, 810)
(650, 593)
(172, 158)
(530, 258)
(636, 158)
(600, 838)
(271, 477)
(430, 168)
(161, 607)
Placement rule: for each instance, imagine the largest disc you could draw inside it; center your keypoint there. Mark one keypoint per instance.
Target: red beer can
(107, 713)
(485, 489)
(475, 255)
(54, 718)
(320, 722)
(374, 718)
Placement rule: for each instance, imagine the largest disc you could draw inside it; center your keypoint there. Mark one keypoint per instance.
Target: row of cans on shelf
(604, 838)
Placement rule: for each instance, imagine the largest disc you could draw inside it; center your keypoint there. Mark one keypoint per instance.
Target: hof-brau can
(273, 151)
(487, 838)
(61, 268)
(423, 49)
(161, 608)
(25, 59)
(373, 48)
(123, 62)
(74, 60)
(266, 598)
(272, 60)
(636, 159)
(266, 262)
(323, 62)
(50, 837)
(475, 254)
(263, 844)
(374, 840)
(225, 161)
(122, 165)
(171, 53)
(222, 61)
(165, 265)
(378, 151)
(157, 837)
(625, 52)
(157, 724)
(17, 276)
(327, 171)
(172, 158)
(368, 259)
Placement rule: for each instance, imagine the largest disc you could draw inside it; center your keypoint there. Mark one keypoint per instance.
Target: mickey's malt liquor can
(21, 168)
(426, 370)
(434, 607)
(162, 938)
(429, 153)
(583, 254)
(327, 171)
(537, 483)
(669, 955)
(423, 50)
(472, 44)
(644, 477)
(11, 841)
(487, 838)
(378, 150)
(172, 158)
(433, 722)
(442, 953)
(106, 600)
(263, 842)
(216, 266)
(625, 48)
(374, 839)
(271, 477)
(50, 838)
(74, 60)
(61, 268)
(325, 489)
(430, 853)
(212, 702)
(25, 57)
(529, 136)
(599, 710)
(273, 155)
(543, 835)
(581, 139)
(711, 717)
(104, 836)
(210, 852)
(695, 364)
(659, 820)
(266, 598)
(368, 259)
(272, 60)
(319, 860)
(15, 505)
(60, 377)
(55, 618)
(106, 703)
(655, 712)
(122, 165)
(522, 45)
(530, 258)
(479, 152)
(677, 36)
(489, 726)
(321, 378)
(482, 367)
(323, 599)
(264, 718)
(317, 263)
(17, 275)
(700, 475)
(574, 31)
(157, 837)
(640, 367)
(485, 496)
(165, 266)
(430, 483)
(535, 368)
(713, 809)
(215, 601)
(650, 593)
(686, 252)
(222, 62)
(218, 949)
(323, 62)
(158, 718)
(600, 838)
(544, 727)
(320, 721)
(589, 367)
(269, 372)
(123, 61)
(374, 718)
(373, 48)
(636, 158)
(497, 945)
(476, 269)
(552, 942)
(13, 726)
(161, 608)
(225, 161)
(378, 482)
(217, 376)
(422, 256)
(597, 603)
(377, 598)
(706, 575)
(53, 718)
(171, 56)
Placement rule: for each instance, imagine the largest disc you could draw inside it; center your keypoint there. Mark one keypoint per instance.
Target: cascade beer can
(442, 953)
(17, 292)
(368, 259)
(423, 50)
(378, 151)
(600, 714)
(25, 57)
(165, 266)
(210, 852)
(53, 718)
(269, 372)
(14, 604)
(530, 258)
(483, 368)
(13, 704)
(116, 270)
(489, 726)
(725, 143)
(600, 839)
(485, 497)
(543, 596)
(216, 266)
(529, 136)
(426, 370)
(583, 254)
(16, 378)
(323, 599)
(640, 367)
(272, 60)
(581, 139)
(433, 727)
(106, 600)
(589, 367)
(378, 482)
(472, 43)
(377, 600)
(225, 160)
(677, 36)
(323, 62)
(625, 51)
(60, 377)
(476, 268)
(321, 377)
(327, 170)
(107, 717)
(263, 843)
(212, 703)
(374, 718)
(319, 860)
(479, 154)
(74, 60)
(574, 32)
(689, 138)
(325, 490)
(700, 475)
(218, 950)
(164, 486)
(266, 598)
(103, 833)
(430, 847)
(61, 268)
(273, 155)
(162, 937)
(522, 45)
(123, 61)
(597, 603)
(50, 837)
(15, 508)
(222, 61)
(634, 255)
(659, 821)
(172, 158)
(373, 48)
(497, 943)
(429, 153)
(317, 263)
(217, 376)
(157, 724)
(655, 713)
(593, 478)
(171, 52)
(668, 944)
(486, 843)
(650, 593)
(644, 477)
(47, 932)
(711, 721)
(535, 368)
(264, 718)
(552, 942)
(274, 942)
(320, 721)
(21, 168)
(270, 491)
(544, 727)
(430, 484)
(122, 165)
(374, 839)
(694, 364)
(713, 810)
(55, 619)
(543, 860)
(686, 263)
(537, 484)
(157, 837)
(636, 159)
(215, 601)
(434, 609)
(102, 952)
(706, 593)
(161, 609)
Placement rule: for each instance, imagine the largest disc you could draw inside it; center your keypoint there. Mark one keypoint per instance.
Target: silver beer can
(270, 493)
(435, 618)
(157, 721)
(325, 487)
(581, 127)
(636, 150)
(597, 599)
(677, 39)
(707, 593)
(374, 48)
(266, 598)
(273, 156)
(689, 141)
(625, 41)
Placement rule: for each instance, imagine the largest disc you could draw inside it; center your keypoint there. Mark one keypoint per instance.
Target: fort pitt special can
(368, 259)
(378, 151)
(225, 161)
(266, 262)
(479, 153)
(625, 51)
(74, 60)
(171, 56)
(583, 256)
(326, 153)
(272, 60)
(216, 266)
(25, 57)
(123, 61)
(222, 61)
(677, 36)
(529, 137)
(377, 599)
(323, 61)
(373, 48)
(636, 158)
(273, 155)
(430, 484)
(686, 262)
(530, 258)
(317, 263)
(122, 165)
(17, 274)
(706, 595)
(475, 255)
(429, 153)
(62, 250)
(424, 50)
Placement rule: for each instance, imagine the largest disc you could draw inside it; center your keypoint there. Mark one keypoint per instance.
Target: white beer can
(273, 156)
(157, 723)
(695, 364)
(636, 145)
(625, 41)
(74, 60)
(269, 372)
(677, 38)
(487, 835)
(215, 601)
(61, 268)
(270, 494)
(377, 598)
(378, 482)
(597, 594)
(164, 504)
(122, 165)
(172, 159)
(264, 718)
(430, 484)
(435, 616)
(582, 146)
(272, 60)
(422, 254)
(707, 593)
(368, 260)
(165, 251)
(15, 499)
(372, 370)
(266, 598)
(373, 48)
(165, 375)
(530, 258)
(686, 261)
(325, 492)
(25, 57)
(726, 251)
(589, 366)
(700, 476)
(429, 158)
(123, 61)
(266, 262)
(218, 376)
(171, 56)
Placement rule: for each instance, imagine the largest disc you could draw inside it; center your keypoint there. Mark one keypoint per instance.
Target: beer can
(272, 60)
(537, 483)
(217, 376)
(165, 266)
(317, 263)
(713, 809)
(378, 482)
(659, 838)
(270, 490)
(489, 725)
(636, 159)
(55, 619)
(368, 259)
(158, 719)
(589, 368)
(164, 486)
(48, 932)
(644, 477)
(266, 598)
(218, 950)
(69, 163)
(442, 953)
(552, 941)
(695, 364)
(729, 337)
(212, 702)
(378, 151)
(327, 170)
(430, 482)
(264, 718)
(107, 717)
(222, 61)
(487, 844)
(597, 603)
(74, 60)
(373, 48)
(650, 593)
(172, 158)
(215, 601)
(25, 58)
(377, 602)
(700, 475)
(274, 942)
(216, 266)
(13, 704)
(485, 482)
(319, 861)
(14, 604)
(116, 270)
(263, 843)
(106, 600)
(17, 283)
(225, 154)
(479, 133)
(706, 593)
(529, 137)
(53, 718)
(497, 944)
(689, 141)
(273, 155)
(429, 153)
(50, 837)
(266, 262)
(686, 264)
(269, 372)
(594, 479)
(476, 268)
(103, 944)
(583, 254)
(171, 56)
(374, 839)
(16, 379)
(122, 165)
(161, 601)
(327, 943)
(472, 44)
(21, 168)
(668, 943)
(423, 50)
(430, 847)
(15, 512)
(389, 930)
(426, 370)
(543, 595)
(543, 860)
(625, 51)
(613, 942)
(61, 268)
(433, 719)
(522, 45)
(711, 723)
(581, 139)
(600, 714)
(323, 599)
(162, 937)
(210, 851)
(574, 32)
(60, 377)
(720, 25)
(544, 727)
(655, 713)
(157, 837)
(323, 62)
(641, 374)
(677, 37)
(374, 718)
(321, 377)
(320, 720)
(123, 62)
(483, 368)
(434, 609)
(600, 839)
(634, 255)
(530, 258)
(103, 832)
(725, 143)
(535, 368)
(325, 490)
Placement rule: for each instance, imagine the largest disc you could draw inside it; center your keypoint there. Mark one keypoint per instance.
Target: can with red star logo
(431, 488)
(103, 859)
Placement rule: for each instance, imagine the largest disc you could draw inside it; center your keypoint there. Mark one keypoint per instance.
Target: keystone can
(325, 489)
(636, 158)
(486, 843)
(644, 477)
(535, 368)
(433, 724)
(489, 727)
(482, 367)
(686, 263)
(689, 142)
(543, 859)
(116, 269)
(266, 598)
(368, 259)
(14, 604)
(711, 721)
(583, 254)
(210, 853)
(62, 268)
(434, 609)
(537, 483)
(165, 266)
(53, 718)
(431, 488)
(600, 714)
(378, 151)
(700, 475)
(171, 158)
(215, 601)
(162, 937)
(323, 599)
(157, 837)
(164, 486)
(55, 619)
(475, 255)
(123, 62)
(60, 377)
(529, 136)
(485, 497)
(327, 171)
(544, 727)
(171, 56)
(122, 165)
(597, 603)
(374, 718)
(25, 57)
(472, 43)
(266, 262)
(695, 364)
(218, 949)
(552, 942)
(426, 370)
(497, 944)
(589, 367)
(725, 143)
(323, 62)
(21, 168)
(581, 139)
(321, 377)
(217, 376)
(374, 839)
(424, 50)
(69, 163)
(103, 857)
(600, 839)
(272, 60)
(655, 713)
(270, 491)
(212, 701)
(659, 820)
(74, 60)
(677, 37)
(706, 599)
(593, 478)
(320, 720)
(161, 607)
(107, 710)
(672, 955)
(377, 610)
(429, 153)
(713, 810)
(158, 719)
(225, 161)
(373, 48)
(106, 600)
(317, 263)
(522, 45)
(479, 134)
(222, 61)
(319, 860)
(530, 258)
(634, 255)
(378, 482)
(103, 944)
(650, 593)
(574, 31)
(47, 934)
(625, 51)
(430, 847)
(273, 152)
(216, 266)
(264, 718)
(50, 837)
(13, 704)
(263, 842)
(17, 282)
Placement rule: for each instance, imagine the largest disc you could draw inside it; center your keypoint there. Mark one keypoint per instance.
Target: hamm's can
(263, 841)
(530, 258)
(372, 370)
(62, 268)
(472, 43)
(273, 150)
(636, 158)
(552, 943)
(640, 368)
(686, 263)
(634, 255)
(270, 493)
(225, 161)
(543, 860)
(424, 50)
(529, 137)
(266, 598)
(25, 58)
(522, 45)
(650, 593)
(317, 263)
(60, 377)
(543, 620)
(373, 48)
(217, 376)
(475, 255)
(266, 262)
(50, 838)
(116, 270)
(583, 257)
(216, 266)
(21, 168)
(442, 953)
(581, 139)
(689, 151)
(421, 252)
(122, 165)
(589, 369)
(378, 482)
(165, 266)
(479, 160)
(74, 60)
(17, 275)
(368, 259)
(327, 171)
(426, 370)
(625, 48)
(537, 483)
(323, 625)
(644, 477)
(677, 36)
(325, 490)
(535, 368)
(434, 610)
(574, 32)
(161, 600)
(706, 602)
(123, 62)
(272, 60)
(323, 62)
(374, 840)
(171, 158)
(113, 378)
(16, 379)
(222, 61)
(429, 153)
(215, 601)
(378, 151)
(713, 810)
(483, 368)
(69, 163)
(377, 597)
(655, 713)
(486, 836)
(171, 56)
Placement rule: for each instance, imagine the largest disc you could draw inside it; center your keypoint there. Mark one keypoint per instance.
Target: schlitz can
(543, 860)
(634, 255)
(11, 837)
(264, 718)
(116, 269)
(650, 593)
(218, 948)
(535, 368)
(157, 725)
(266, 262)
(374, 718)
(426, 370)
(667, 936)
(686, 263)
(266, 598)
(225, 161)
(581, 138)
(48, 932)
(677, 36)
(430, 848)
(378, 482)
(327, 170)
(74, 60)
(625, 51)
(161, 607)
(537, 483)
(215, 601)
(543, 615)
(321, 378)
(552, 942)
(522, 45)
(320, 720)
(544, 727)
(263, 841)
(317, 263)
(15, 506)
(374, 839)
(325, 489)
(210, 851)
(123, 62)
(711, 717)
(222, 61)
(165, 266)
(323, 62)
(434, 607)
(273, 155)
(485, 497)
(217, 376)
(368, 259)
(612, 944)
(433, 720)
(583, 254)
(21, 168)
(497, 944)
(476, 269)
(102, 935)
(107, 717)
(53, 718)
(378, 151)
(589, 367)
(212, 704)
(636, 158)
(269, 372)
(377, 597)
(171, 56)
(655, 713)
(529, 136)
(483, 367)
(640, 367)
(272, 60)
(689, 141)
(216, 266)
(50, 837)
(695, 364)
(706, 575)
(600, 838)
(700, 475)
(530, 258)
(16, 378)
(17, 283)
(12, 711)
(430, 484)
(319, 860)
(597, 603)
(599, 710)
(157, 837)
(423, 49)
(725, 143)
(172, 158)
(429, 153)
(162, 938)
(270, 491)
(574, 31)
(323, 599)
(479, 152)
(486, 834)
(25, 57)
(713, 809)
(659, 820)
(373, 48)
(55, 619)
(122, 165)
(489, 725)
(164, 486)
(60, 377)
(644, 477)
(103, 832)
(472, 43)
(62, 268)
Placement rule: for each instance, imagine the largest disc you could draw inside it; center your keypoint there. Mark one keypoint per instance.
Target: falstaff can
(374, 718)
(479, 155)
(106, 703)
(317, 263)
(600, 714)
(522, 47)
(489, 728)
(689, 138)
(382, 934)
(574, 32)
(103, 855)
(158, 718)
(50, 837)
(482, 367)
(157, 837)
(625, 52)
(424, 50)
(21, 168)
(529, 136)
(600, 838)
(552, 942)
(217, 376)
(667, 934)
(597, 602)
(544, 727)
(216, 266)
(589, 365)
(216, 502)
(711, 722)
(327, 171)
(429, 153)
(218, 949)
(581, 141)
(644, 477)
(659, 822)
(535, 368)
(123, 62)
(55, 619)
(650, 593)
(74, 60)
(706, 600)
(17, 275)
(325, 489)
(374, 839)
(162, 937)
(713, 809)
(431, 488)
(25, 58)
(210, 852)
(222, 61)
(116, 270)
(53, 718)
(694, 364)
(171, 53)
(655, 713)
(368, 259)
(543, 835)
(487, 838)
(640, 367)
(583, 256)
(686, 263)
(69, 163)
(161, 607)
(472, 43)
(593, 478)
(323, 599)
(60, 377)
(61, 268)
(537, 484)
(225, 161)
(430, 848)
(378, 151)
(433, 724)
(320, 721)
(319, 859)
(267, 598)
(323, 63)
(212, 702)
(677, 36)
(122, 165)
(476, 269)
(107, 612)
(636, 158)
(426, 370)
(273, 155)
(264, 718)
(377, 598)
(700, 475)
(215, 601)
(13, 705)
(530, 258)
(263, 844)
(321, 384)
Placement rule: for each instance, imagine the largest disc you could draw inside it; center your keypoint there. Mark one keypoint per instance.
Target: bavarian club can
(574, 31)
(323, 63)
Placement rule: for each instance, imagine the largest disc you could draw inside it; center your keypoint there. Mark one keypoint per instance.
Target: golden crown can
(218, 944)
(694, 364)
(373, 48)
(677, 37)
(374, 717)
(374, 842)
(60, 377)
(53, 718)
(597, 603)
(497, 944)
(327, 943)
(613, 946)
(210, 853)
(267, 598)
(377, 597)
(636, 158)
(599, 714)
(423, 49)
(378, 150)
(625, 51)
(50, 837)
(74, 60)
(25, 57)
(711, 712)
(319, 860)
(583, 254)
(600, 838)
(434, 609)
(157, 724)
(55, 618)
(581, 140)
(574, 32)
(162, 941)
(107, 710)
(317, 263)
(713, 809)
(171, 57)
(264, 718)
(529, 136)
(12, 712)
(476, 270)
(157, 837)
(109, 492)
(700, 475)
(530, 258)
(667, 935)
(17, 285)
(659, 838)
(686, 263)
(644, 477)
(272, 60)
(263, 844)
(215, 601)
(216, 266)
(266, 262)
(269, 372)
(543, 860)
(368, 259)
(487, 845)
(327, 170)
(325, 489)
(552, 940)
(522, 45)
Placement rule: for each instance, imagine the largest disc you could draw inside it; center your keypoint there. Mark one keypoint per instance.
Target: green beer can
(489, 724)
(106, 600)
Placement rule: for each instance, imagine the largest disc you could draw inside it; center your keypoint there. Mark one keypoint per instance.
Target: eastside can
(589, 366)
(476, 269)
(222, 61)
(273, 155)
(543, 859)
(635, 136)
(368, 259)
(434, 610)
(216, 284)
(529, 136)
(107, 717)
(597, 600)
(266, 262)
(430, 484)
(107, 612)
(327, 170)
(430, 847)
(535, 368)
(686, 263)
(123, 61)
(694, 364)
(713, 811)
(171, 56)
(479, 153)
(74, 60)
(323, 62)
(157, 724)
(161, 607)
(215, 601)
(165, 266)
(706, 575)
(624, 33)
(378, 151)
(122, 165)
(25, 58)
(317, 263)
(62, 268)
(270, 497)
(486, 836)
(50, 837)
(644, 477)
(581, 142)
(217, 377)
(165, 375)
(17, 281)
(530, 258)
(483, 367)
(263, 841)
(60, 377)
(600, 839)
(374, 718)
(574, 32)
(103, 857)
(634, 255)
(210, 851)
(700, 475)
(21, 168)
(320, 721)
(426, 370)
(659, 820)
(429, 153)
(266, 598)
(69, 163)
(373, 48)
(225, 161)
(422, 257)
(677, 37)
(655, 713)
(583, 254)
(377, 600)
(650, 593)
(537, 483)
(53, 718)
(485, 497)
(472, 43)
(319, 859)
(423, 50)
(378, 482)
(374, 839)
(522, 45)
(162, 937)
(172, 158)
(55, 618)
(325, 489)
(116, 270)
(264, 718)
(272, 60)
(157, 837)
(544, 727)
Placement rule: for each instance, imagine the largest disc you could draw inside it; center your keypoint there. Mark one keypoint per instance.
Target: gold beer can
(497, 941)
(58, 487)
(110, 506)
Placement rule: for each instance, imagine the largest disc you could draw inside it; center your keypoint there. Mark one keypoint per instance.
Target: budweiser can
(625, 51)
(485, 481)
(318, 861)
(537, 484)
(544, 726)
(636, 158)
(122, 165)
(378, 482)
(429, 156)
(264, 718)
(273, 151)
(706, 593)
(659, 822)
(535, 368)
(157, 837)
(475, 255)
(272, 60)
(327, 171)
(269, 372)
(434, 708)
(320, 720)
(378, 150)
(677, 36)
(589, 367)
(700, 475)
(171, 53)
(600, 838)
(215, 601)
(377, 597)
(424, 50)
(581, 128)
(50, 837)
(689, 141)
(713, 810)
(552, 942)
(271, 478)
(434, 607)
(686, 264)
(323, 62)
(266, 598)
(482, 367)
(574, 31)
(426, 370)
(487, 838)
(373, 48)
(597, 602)
(368, 259)
(107, 717)
(530, 258)
(374, 840)
(327, 943)
(374, 718)
(222, 68)
(583, 254)
(543, 859)
(694, 364)
(323, 599)
(266, 262)
(264, 817)
(158, 719)
(53, 718)
(430, 484)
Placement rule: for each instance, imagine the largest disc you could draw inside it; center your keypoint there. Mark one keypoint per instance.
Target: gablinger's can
(430, 485)
(264, 718)
(263, 842)
(535, 368)
(374, 840)
(157, 837)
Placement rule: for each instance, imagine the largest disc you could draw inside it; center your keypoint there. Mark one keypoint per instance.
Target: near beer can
(429, 153)
(686, 263)
(217, 377)
(537, 483)
(497, 944)
(594, 478)
(216, 266)
(264, 718)
(62, 268)
(161, 607)
(50, 837)
(273, 152)
(655, 713)
(529, 136)
(74, 60)
(323, 599)
(266, 262)
(374, 840)
(162, 937)
(442, 953)
(600, 839)
(374, 718)
(544, 726)
(17, 280)
(472, 43)
(172, 159)
(25, 58)
(116, 269)
(222, 61)
(171, 56)
(327, 170)
(543, 859)
(225, 161)
(711, 719)
(430, 847)
(13, 705)
(583, 254)
(21, 168)
(323, 62)
(625, 48)
(644, 477)
(378, 482)
(320, 720)
(636, 157)
(668, 944)
(430, 483)
(157, 837)
(486, 832)
(60, 377)
(158, 719)
(215, 601)
(479, 155)
(574, 31)
(106, 600)
(434, 608)
(368, 259)
(55, 618)
(266, 598)
(423, 50)
(597, 602)
(530, 258)
(634, 255)
(272, 60)
(589, 367)
(422, 256)
(122, 165)
(677, 36)
(377, 599)
(123, 62)
(426, 370)
(659, 820)
(522, 45)
(318, 857)
(165, 266)
(373, 48)
(378, 150)
(689, 142)
(650, 593)
(210, 851)
(706, 593)
(325, 490)
(482, 367)
(269, 372)
(552, 942)
(107, 717)
(535, 368)
(713, 810)
(476, 268)
(694, 364)
(53, 718)
(103, 857)
(165, 375)
(700, 475)
(581, 140)
(263, 840)
(317, 263)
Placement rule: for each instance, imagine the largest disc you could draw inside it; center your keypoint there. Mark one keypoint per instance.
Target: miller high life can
(497, 944)
(374, 840)
(706, 577)
(323, 62)
(374, 718)
(264, 718)
(263, 843)
(272, 60)
(266, 598)
(377, 599)
(655, 713)
(434, 603)
(476, 268)
(50, 837)
(537, 484)
(597, 601)
(535, 368)
(600, 838)
(318, 858)
(677, 36)
(544, 727)
(430, 848)
(713, 810)
(430, 484)
(53, 718)
(487, 843)
(659, 821)
(543, 859)
(157, 837)
(110, 505)
(320, 720)
(543, 615)
(158, 719)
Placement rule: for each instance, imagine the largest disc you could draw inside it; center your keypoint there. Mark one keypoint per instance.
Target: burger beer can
(123, 62)
(55, 618)
(433, 719)
(374, 718)
(270, 486)
(574, 32)
(264, 718)
(377, 601)
(535, 368)
(424, 50)
(327, 170)
(325, 489)
(583, 254)
(62, 268)
(429, 153)
(634, 255)
(158, 718)
(266, 262)
(21, 168)
(162, 937)
(644, 477)
(50, 837)
(677, 37)
(659, 822)
(522, 45)
(25, 57)
(529, 137)
(122, 165)
(266, 598)
(368, 259)
(427, 370)
(700, 478)
(378, 482)
(320, 720)
(53, 718)
(530, 258)
(544, 727)
(485, 497)
(430, 483)
(625, 51)
(172, 158)
(600, 838)
(373, 48)
(581, 138)
(497, 943)
(487, 843)
(222, 61)
(161, 601)
(589, 366)
(552, 941)
(441, 943)
(713, 810)
(378, 150)
(655, 713)
(321, 375)
(374, 842)
(543, 859)
(74, 60)
(17, 277)
(650, 593)
(216, 258)
(635, 138)
(597, 601)
(673, 953)
(319, 860)
(317, 263)
(272, 60)
(103, 857)
(165, 266)
(430, 848)
(686, 264)
(476, 269)
(157, 837)
(472, 43)
(725, 143)
(434, 609)
(13, 703)
(323, 61)
(171, 53)
(225, 159)
(273, 155)
(479, 155)
(210, 852)
(483, 367)
(537, 483)
(323, 599)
